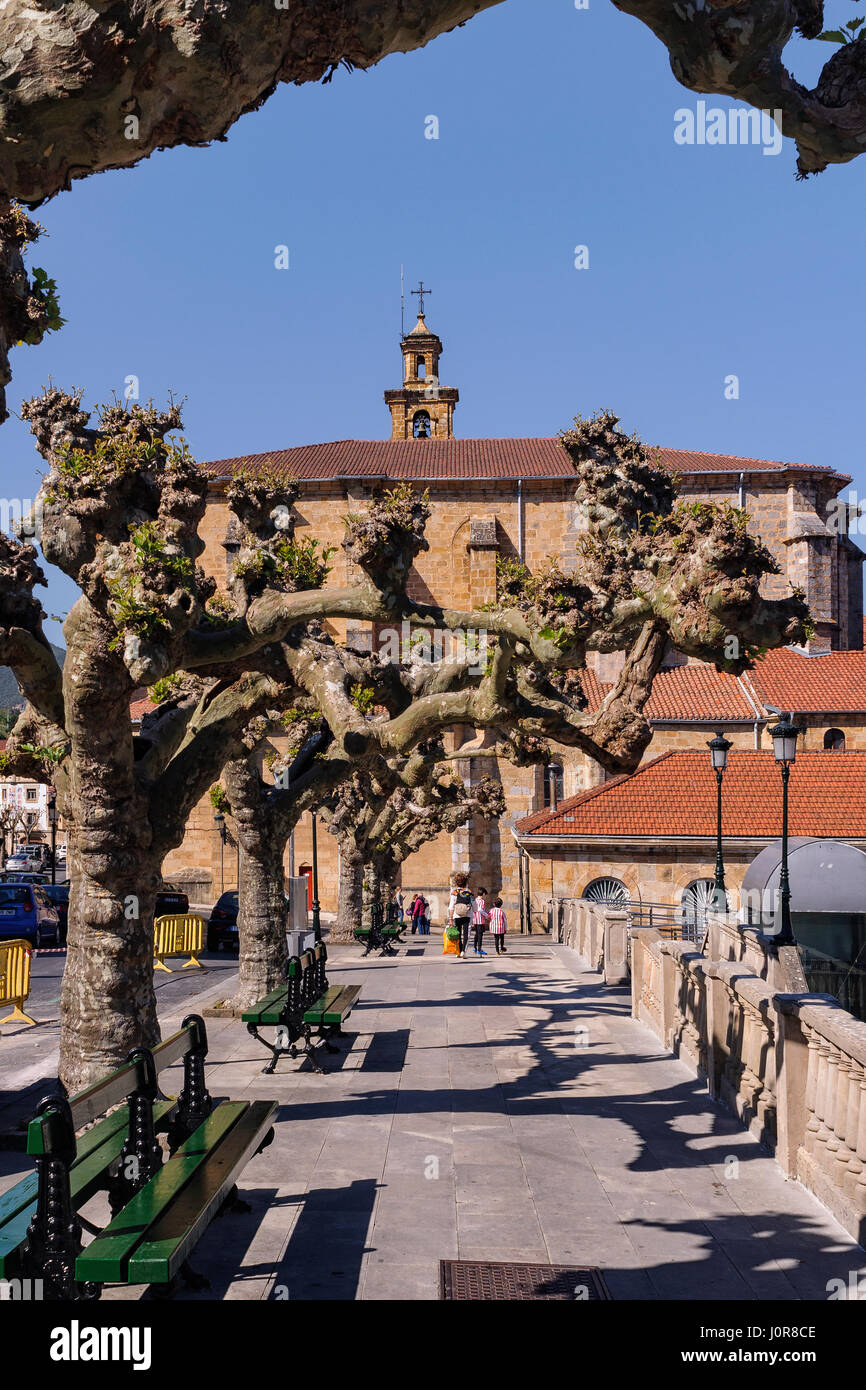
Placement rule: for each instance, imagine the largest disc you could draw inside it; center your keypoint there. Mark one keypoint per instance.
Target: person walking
(416, 912)
(460, 910)
(424, 921)
(480, 918)
(498, 927)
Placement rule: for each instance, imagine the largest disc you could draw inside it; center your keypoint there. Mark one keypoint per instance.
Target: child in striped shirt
(480, 918)
(498, 927)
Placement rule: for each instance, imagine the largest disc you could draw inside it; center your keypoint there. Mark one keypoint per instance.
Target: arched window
(553, 776)
(834, 738)
(421, 368)
(421, 424)
(698, 899)
(606, 890)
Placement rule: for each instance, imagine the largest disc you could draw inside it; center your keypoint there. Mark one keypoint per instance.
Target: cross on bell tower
(421, 408)
(421, 293)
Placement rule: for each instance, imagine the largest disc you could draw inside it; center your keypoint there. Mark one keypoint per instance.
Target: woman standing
(460, 910)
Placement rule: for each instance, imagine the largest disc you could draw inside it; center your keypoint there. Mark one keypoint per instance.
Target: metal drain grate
(480, 1281)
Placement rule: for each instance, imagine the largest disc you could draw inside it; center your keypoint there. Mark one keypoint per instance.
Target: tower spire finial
(421, 293)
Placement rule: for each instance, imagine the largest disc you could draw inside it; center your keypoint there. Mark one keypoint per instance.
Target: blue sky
(556, 129)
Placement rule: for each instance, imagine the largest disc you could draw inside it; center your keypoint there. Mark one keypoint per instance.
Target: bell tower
(421, 408)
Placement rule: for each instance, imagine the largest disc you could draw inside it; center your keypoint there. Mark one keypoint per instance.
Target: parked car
(25, 911)
(170, 901)
(222, 927)
(58, 895)
(24, 876)
(25, 862)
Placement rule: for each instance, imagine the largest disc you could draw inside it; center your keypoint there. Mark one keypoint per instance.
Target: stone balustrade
(791, 1066)
(597, 932)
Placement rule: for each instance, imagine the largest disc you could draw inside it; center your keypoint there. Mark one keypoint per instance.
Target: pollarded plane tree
(378, 830)
(318, 768)
(121, 505)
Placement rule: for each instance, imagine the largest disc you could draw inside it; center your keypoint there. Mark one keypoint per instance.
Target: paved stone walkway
(502, 1109)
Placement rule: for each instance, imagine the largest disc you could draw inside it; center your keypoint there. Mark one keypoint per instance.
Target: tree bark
(350, 894)
(263, 827)
(107, 999)
(96, 86)
(263, 954)
(371, 896)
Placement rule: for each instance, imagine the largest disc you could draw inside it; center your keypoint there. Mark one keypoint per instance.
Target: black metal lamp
(719, 748)
(784, 736)
(220, 822)
(317, 929)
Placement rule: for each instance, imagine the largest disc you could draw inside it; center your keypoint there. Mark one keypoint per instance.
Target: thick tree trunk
(371, 894)
(263, 828)
(107, 1001)
(261, 922)
(349, 901)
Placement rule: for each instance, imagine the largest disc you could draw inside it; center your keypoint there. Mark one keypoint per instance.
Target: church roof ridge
(475, 459)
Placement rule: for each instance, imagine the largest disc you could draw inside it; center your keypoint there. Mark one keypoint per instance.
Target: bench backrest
(48, 1132)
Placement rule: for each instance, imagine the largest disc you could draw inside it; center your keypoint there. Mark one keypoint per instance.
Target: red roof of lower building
(831, 682)
(675, 795)
(428, 459)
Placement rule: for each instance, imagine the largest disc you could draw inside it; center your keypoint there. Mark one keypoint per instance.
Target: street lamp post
(719, 748)
(784, 736)
(220, 821)
(52, 821)
(317, 929)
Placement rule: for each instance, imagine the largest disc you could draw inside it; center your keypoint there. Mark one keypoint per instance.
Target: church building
(513, 498)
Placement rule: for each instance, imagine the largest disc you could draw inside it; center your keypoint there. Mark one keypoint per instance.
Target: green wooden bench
(381, 937)
(304, 1004)
(159, 1207)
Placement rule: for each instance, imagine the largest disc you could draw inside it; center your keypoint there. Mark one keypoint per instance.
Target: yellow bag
(449, 948)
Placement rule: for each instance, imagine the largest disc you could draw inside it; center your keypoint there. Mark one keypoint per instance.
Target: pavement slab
(493, 1109)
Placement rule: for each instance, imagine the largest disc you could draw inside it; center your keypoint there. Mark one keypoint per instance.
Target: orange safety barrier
(180, 935)
(15, 958)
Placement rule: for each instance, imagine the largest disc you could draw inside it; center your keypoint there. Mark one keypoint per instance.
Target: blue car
(27, 912)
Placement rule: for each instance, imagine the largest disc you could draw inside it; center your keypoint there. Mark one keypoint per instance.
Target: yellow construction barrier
(15, 958)
(182, 935)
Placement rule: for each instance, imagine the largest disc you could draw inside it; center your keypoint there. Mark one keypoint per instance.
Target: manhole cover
(415, 951)
(480, 1281)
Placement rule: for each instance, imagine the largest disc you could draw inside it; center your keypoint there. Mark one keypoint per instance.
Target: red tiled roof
(834, 682)
(140, 705)
(465, 458)
(675, 795)
(693, 692)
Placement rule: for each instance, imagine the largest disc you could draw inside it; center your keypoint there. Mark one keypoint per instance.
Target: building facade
(513, 498)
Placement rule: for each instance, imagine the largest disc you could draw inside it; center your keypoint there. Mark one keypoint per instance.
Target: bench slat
(93, 1102)
(97, 1150)
(316, 1009)
(168, 1243)
(267, 1010)
(343, 1005)
(165, 1054)
(334, 1005)
(105, 1260)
